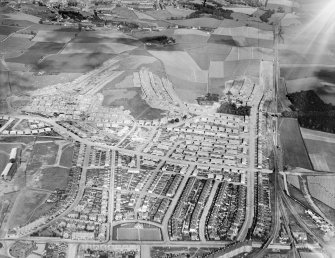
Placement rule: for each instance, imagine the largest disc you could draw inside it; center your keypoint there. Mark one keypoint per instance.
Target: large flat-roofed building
(9, 171)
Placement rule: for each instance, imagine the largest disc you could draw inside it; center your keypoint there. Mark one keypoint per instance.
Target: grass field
(322, 188)
(14, 46)
(25, 204)
(293, 180)
(23, 16)
(295, 153)
(142, 234)
(53, 178)
(66, 157)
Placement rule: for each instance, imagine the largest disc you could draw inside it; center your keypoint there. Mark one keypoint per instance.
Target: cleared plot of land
(322, 188)
(181, 65)
(113, 95)
(104, 34)
(295, 153)
(72, 63)
(53, 178)
(6, 30)
(66, 157)
(25, 204)
(54, 36)
(109, 48)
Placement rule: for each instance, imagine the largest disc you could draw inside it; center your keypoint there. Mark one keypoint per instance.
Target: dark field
(33, 55)
(72, 63)
(127, 41)
(66, 157)
(295, 153)
(6, 30)
(322, 147)
(12, 22)
(54, 178)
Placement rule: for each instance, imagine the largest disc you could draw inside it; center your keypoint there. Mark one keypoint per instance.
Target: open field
(322, 188)
(72, 63)
(35, 53)
(132, 62)
(210, 52)
(23, 16)
(105, 39)
(248, 67)
(322, 154)
(294, 150)
(6, 30)
(113, 95)
(54, 36)
(238, 53)
(137, 106)
(109, 48)
(53, 178)
(25, 204)
(188, 91)
(198, 22)
(181, 65)
(66, 157)
(15, 46)
(17, 23)
(43, 154)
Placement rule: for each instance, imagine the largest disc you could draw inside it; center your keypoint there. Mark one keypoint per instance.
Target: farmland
(109, 48)
(322, 188)
(54, 36)
(295, 153)
(322, 151)
(6, 30)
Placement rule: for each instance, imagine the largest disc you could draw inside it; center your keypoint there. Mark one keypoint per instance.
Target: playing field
(142, 234)
(294, 150)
